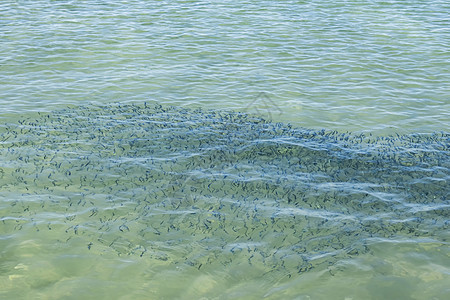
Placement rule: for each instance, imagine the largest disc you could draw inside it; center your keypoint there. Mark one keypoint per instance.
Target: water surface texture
(224, 149)
(362, 65)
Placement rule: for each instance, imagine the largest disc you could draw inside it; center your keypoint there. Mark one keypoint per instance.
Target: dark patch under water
(215, 188)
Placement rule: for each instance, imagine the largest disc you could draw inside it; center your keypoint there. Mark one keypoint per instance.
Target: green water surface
(105, 194)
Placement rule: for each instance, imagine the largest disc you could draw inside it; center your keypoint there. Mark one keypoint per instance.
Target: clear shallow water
(377, 66)
(177, 203)
(132, 202)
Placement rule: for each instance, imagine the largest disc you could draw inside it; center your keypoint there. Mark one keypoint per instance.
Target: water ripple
(367, 66)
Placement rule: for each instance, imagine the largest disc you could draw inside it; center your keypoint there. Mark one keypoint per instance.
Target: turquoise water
(224, 149)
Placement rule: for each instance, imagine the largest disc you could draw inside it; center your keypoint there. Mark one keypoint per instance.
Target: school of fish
(205, 188)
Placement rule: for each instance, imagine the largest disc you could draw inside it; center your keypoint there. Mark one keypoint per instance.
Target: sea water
(224, 149)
